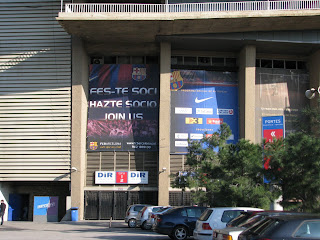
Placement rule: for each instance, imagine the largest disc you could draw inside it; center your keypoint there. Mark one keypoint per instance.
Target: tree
(222, 174)
(295, 168)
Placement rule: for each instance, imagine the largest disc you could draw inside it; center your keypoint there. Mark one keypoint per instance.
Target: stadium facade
(99, 98)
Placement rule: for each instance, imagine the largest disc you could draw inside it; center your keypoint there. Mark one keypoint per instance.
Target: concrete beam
(247, 77)
(79, 124)
(164, 124)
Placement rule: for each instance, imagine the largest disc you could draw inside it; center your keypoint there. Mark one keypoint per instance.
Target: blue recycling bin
(74, 214)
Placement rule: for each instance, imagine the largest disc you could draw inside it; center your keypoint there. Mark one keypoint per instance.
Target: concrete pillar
(79, 123)
(164, 123)
(314, 73)
(247, 77)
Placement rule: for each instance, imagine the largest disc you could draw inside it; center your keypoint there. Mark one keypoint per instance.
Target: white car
(216, 218)
(143, 216)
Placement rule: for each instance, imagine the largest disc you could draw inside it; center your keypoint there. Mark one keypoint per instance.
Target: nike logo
(202, 100)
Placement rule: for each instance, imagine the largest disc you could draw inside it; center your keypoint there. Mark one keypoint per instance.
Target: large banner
(200, 102)
(123, 107)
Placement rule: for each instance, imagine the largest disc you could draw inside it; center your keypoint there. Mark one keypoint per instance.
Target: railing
(192, 7)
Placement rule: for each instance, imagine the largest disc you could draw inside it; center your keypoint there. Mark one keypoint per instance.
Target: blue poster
(123, 107)
(200, 102)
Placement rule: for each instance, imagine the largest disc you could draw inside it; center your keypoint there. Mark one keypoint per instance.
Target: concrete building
(64, 65)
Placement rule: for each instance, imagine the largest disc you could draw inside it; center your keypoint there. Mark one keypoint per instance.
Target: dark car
(178, 223)
(298, 226)
(244, 216)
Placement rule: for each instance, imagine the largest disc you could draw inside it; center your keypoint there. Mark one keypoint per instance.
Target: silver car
(132, 213)
(144, 214)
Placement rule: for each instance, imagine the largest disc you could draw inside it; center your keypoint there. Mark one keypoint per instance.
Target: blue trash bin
(74, 214)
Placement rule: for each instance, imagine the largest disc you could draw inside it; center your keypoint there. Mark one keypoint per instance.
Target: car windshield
(264, 226)
(249, 222)
(238, 220)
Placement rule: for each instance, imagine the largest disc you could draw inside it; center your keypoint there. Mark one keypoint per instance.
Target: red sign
(122, 177)
(270, 134)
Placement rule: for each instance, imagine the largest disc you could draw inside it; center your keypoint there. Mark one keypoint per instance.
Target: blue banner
(200, 102)
(123, 107)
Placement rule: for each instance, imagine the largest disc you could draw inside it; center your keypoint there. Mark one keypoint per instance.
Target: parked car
(178, 223)
(142, 216)
(214, 218)
(289, 227)
(153, 215)
(132, 213)
(244, 216)
(232, 233)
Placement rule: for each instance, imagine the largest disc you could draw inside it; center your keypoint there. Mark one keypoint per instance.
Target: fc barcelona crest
(176, 81)
(93, 145)
(139, 74)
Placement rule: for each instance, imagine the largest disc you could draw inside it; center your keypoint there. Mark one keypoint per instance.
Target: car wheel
(180, 233)
(132, 223)
(145, 226)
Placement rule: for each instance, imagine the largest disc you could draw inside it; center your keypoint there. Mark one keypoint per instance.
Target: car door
(193, 214)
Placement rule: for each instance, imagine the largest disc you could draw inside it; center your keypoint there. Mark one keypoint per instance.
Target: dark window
(291, 65)
(177, 60)
(229, 215)
(152, 60)
(265, 63)
(258, 63)
(138, 208)
(190, 60)
(204, 61)
(205, 215)
(217, 62)
(278, 63)
(231, 62)
(301, 65)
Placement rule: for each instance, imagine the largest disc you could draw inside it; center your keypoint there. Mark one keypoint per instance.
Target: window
(229, 215)
(205, 215)
(138, 208)
(309, 229)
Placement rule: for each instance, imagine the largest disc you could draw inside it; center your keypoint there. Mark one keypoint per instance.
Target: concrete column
(247, 77)
(164, 123)
(79, 123)
(314, 73)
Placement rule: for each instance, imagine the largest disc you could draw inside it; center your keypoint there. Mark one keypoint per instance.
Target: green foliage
(295, 167)
(222, 174)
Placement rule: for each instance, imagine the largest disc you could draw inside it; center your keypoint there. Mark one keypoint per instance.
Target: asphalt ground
(75, 230)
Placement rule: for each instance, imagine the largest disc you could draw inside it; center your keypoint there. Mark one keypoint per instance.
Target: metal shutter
(35, 92)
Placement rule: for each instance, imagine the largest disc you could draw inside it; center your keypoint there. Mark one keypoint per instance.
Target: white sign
(105, 177)
(121, 177)
(138, 177)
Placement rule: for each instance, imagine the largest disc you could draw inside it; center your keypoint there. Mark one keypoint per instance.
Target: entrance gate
(101, 205)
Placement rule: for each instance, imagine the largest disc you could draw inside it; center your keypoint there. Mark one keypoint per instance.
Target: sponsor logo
(181, 143)
(93, 145)
(176, 81)
(180, 110)
(222, 111)
(139, 74)
(181, 135)
(196, 136)
(190, 120)
(205, 111)
(217, 121)
(201, 100)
